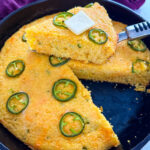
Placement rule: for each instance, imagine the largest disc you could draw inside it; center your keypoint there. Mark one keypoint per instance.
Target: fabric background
(7, 6)
(133, 4)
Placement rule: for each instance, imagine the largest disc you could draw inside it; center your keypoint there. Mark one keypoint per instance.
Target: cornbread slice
(118, 68)
(38, 125)
(53, 40)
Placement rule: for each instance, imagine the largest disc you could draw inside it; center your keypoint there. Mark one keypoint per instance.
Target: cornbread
(50, 39)
(38, 125)
(118, 68)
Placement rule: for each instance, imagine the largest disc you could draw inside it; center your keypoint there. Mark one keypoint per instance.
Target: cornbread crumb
(87, 87)
(115, 85)
(141, 114)
(137, 98)
(148, 91)
(129, 109)
(129, 141)
(140, 88)
(101, 108)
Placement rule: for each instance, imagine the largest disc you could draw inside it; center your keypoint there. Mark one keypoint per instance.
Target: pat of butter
(79, 23)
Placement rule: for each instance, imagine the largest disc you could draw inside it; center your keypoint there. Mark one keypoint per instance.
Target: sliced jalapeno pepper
(17, 102)
(137, 45)
(64, 90)
(89, 5)
(140, 66)
(24, 38)
(71, 124)
(61, 18)
(98, 36)
(15, 68)
(57, 61)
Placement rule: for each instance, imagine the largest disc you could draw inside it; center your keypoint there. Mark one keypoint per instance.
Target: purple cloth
(7, 6)
(133, 4)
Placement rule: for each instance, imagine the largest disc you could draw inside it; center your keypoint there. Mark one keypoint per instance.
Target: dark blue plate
(130, 117)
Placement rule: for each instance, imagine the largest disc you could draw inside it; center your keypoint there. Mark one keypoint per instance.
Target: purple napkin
(7, 6)
(134, 4)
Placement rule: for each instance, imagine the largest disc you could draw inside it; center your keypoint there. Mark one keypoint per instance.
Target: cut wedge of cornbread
(38, 124)
(118, 68)
(50, 39)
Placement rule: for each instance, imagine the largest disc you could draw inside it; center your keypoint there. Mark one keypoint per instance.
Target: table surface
(144, 11)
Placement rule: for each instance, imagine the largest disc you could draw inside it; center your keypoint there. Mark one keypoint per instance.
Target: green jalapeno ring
(92, 38)
(57, 64)
(62, 124)
(10, 109)
(89, 5)
(66, 81)
(14, 63)
(131, 44)
(64, 15)
(138, 60)
(24, 38)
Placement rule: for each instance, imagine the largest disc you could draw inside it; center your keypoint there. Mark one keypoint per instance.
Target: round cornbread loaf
(38, 125)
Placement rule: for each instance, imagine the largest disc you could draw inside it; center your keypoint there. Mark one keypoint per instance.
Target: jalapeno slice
(89, 5)
(71, 124)
(15, 68)
(17, 102)
(98, 36)
(137, 45)
(140, 66)
(64, 89)
(61, 18)
(57, 61)
(24, 38)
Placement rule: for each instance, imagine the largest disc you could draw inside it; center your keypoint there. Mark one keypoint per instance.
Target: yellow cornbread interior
(38, 125)
(53, 40)
(118, 68)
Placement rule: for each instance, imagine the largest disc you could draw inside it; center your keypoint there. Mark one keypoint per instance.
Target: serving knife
(136, 31)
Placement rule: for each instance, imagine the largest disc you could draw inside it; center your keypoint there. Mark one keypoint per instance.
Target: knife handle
(139, 30)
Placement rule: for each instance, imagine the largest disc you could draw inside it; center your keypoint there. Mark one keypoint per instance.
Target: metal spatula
(136, 31)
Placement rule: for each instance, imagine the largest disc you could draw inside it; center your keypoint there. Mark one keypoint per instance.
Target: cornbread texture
(38, 125)
(118, 68)
(53, 40)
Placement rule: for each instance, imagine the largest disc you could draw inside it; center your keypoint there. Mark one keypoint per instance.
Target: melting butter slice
(79, 23)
